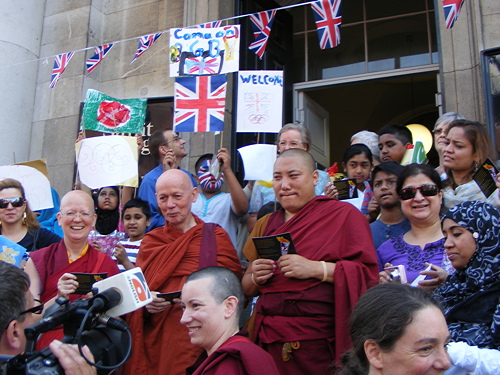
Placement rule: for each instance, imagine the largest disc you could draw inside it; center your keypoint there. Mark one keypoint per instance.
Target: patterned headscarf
(471, 295)
(207, 179)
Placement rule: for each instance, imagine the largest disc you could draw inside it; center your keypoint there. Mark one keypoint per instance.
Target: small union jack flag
(261, 24)
(60, 63)
(202, 65)
(99, 55)
(145, 42)
(199, 103)
(452, 11)
(209, 25)
(328, 17)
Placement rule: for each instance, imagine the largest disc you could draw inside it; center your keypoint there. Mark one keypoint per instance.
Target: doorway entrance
(366, 105)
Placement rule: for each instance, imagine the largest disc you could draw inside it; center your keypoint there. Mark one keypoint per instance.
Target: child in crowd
(393, 140)
(392, 222)
(357, 163)
(136, 218)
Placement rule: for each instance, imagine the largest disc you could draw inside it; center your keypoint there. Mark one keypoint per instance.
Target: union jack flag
(452, 11)
(99, 55)
(202, 65)
(328, 17)
(261, 24)
(60, 63)
(145, 42)
(209, 25)
(199, 103)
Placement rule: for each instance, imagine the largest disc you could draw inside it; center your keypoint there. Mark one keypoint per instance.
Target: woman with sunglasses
(419, 187)
(468, 148)
(17, 222)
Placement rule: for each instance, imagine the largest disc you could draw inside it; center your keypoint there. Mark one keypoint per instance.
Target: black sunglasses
(16, 202)
(34, 310)
(427, 190)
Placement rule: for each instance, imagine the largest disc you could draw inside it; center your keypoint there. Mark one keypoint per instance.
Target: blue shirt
(382, 232)
(147, 192)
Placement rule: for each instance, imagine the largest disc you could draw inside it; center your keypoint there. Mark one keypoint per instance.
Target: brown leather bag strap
(208, 247)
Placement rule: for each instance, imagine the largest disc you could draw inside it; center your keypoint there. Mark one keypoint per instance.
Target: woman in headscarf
(107, 233)
(470, 296)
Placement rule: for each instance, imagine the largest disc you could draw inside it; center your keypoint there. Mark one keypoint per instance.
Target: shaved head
(175, 194)
(180, 178)
(79, 195)
(304, 157)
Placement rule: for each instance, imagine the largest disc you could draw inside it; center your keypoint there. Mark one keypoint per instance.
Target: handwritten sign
(107, 161)
(260, 101)
(195, 52)
(36, 185)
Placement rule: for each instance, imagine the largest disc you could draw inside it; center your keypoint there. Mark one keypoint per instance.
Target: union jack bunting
(99, 55)
(261, 24)
(328, 17)
(145, 42)
(199, 103)
(209, 24)
(60, 63)
(452, 11)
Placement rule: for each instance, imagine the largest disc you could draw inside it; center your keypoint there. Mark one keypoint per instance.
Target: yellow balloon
(421, 132)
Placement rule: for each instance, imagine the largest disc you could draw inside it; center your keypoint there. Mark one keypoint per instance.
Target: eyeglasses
(427, 190)
(175, 139)
(72, 215)
(291, 144)
(34, 310)
(15, 202)
(38, 309)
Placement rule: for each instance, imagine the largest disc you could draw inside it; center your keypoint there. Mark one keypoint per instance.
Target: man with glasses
(51, 269)
(16, 313)
(167, 148)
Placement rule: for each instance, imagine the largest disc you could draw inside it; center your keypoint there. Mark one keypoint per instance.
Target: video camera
(84, 323)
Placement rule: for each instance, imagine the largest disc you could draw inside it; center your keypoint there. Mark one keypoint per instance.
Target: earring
(475, 166)
(24, 217)
(475, 235)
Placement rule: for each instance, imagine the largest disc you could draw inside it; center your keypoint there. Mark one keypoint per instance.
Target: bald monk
(51, 269)
(306, 298)
(168, 255)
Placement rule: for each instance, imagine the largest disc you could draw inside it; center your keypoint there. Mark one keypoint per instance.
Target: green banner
(105, 114)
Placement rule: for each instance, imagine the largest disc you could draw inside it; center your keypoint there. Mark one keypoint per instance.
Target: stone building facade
(38, 122)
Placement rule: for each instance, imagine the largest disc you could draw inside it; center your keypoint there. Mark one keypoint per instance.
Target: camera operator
(18, 307)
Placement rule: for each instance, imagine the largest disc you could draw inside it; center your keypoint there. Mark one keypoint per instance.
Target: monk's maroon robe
(313, 313)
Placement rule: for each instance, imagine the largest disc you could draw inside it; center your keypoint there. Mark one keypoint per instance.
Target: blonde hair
(31, 221)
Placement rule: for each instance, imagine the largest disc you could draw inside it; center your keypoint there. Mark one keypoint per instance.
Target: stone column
(20, 32)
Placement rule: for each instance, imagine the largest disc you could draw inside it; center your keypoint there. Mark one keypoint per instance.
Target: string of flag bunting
(327, 15)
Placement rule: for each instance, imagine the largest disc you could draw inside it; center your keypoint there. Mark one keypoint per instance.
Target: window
(375, 36)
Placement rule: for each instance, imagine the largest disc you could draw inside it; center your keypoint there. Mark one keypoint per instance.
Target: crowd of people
(333, 302)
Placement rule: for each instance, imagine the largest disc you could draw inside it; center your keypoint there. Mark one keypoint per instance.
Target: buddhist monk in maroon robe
(167, 256)
(306, 298)
(213, 299)
(51, 268)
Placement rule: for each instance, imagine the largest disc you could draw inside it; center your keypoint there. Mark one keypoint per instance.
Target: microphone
(122, 293)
